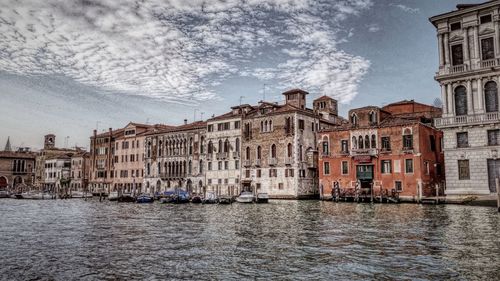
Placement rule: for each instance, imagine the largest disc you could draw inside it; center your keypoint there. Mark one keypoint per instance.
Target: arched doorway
(3, 182)
(189, 186)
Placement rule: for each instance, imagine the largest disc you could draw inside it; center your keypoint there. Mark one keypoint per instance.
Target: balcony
(247, 163)
(467, 120)
(461, 68)
(288, 161)
(236, 154)
(222, 155)
(258, 162)
(273, 161)
(367, 151)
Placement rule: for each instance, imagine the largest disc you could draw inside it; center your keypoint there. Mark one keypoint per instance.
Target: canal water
(89, 240)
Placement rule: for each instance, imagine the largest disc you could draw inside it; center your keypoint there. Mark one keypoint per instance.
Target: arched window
(262, 126)
(354, 143)
(226, 145)
(202, 145)
(237, 145)
(460, 101)
(190, 146)
(360, 142)
(374, 141)
(201, 166)
(220, 146)
(190, 167)
(270, 125)
(265, 126)
(491, 96)
(289, 150)
(259, 152)
(367, 141)
(148, 169)
(373, 117)
(273, 151)
(247, 154)
(354, 119)
(325, 146)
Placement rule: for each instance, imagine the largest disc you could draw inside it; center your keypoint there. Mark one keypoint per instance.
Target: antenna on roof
(241, 98)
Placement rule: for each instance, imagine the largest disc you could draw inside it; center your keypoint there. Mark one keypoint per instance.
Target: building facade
(469, 75)
(390, 149)
(279, 147)
(17, 168)
(223, 151)
(174, 158)
(102, 160)
(57, 174)
(80, 170)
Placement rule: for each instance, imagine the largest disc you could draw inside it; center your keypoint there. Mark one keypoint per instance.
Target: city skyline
(81, 70)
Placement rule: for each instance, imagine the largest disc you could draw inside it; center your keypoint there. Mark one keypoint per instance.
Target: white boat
(36, 195)
(262, 198)
(4, 194)
(80, 194)
(113, 196)
(245, 197)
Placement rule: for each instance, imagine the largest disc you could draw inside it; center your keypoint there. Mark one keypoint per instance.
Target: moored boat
(113, 196)
(167, 199)
(196, 199)
(4, 194)
(245, 197)
(126, 197)
(225, 199)
(262, 198)
(181, 197)
(210, 198)
(80, 194)
(144, 198)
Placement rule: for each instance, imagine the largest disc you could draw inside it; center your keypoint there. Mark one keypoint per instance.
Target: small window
(345, 168)
(485, 19)
(398, 186)
(463, 170)
(427, 168)
(345, 146)
(409, 166)
(455, 26)
(462, 139)
(301, 124)
(326, 168)
(493, 137)
(386, 143)
(385, 166)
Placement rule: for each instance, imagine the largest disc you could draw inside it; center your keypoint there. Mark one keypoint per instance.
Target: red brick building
(389, 149)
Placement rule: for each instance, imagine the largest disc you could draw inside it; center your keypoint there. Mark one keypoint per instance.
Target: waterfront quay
(285, 239)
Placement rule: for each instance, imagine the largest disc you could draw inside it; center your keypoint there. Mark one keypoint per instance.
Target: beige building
(223, 151)
(469, 75)
(173, 158)
(80, 164)
(57, 173)
(279, 146)
(16, 168)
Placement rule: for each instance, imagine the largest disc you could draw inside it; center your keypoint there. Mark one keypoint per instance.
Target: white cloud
(373, 27)
(406, 8)
(173, 49)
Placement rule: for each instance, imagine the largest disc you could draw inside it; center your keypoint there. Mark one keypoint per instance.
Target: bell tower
(50, 141)
(296, 97)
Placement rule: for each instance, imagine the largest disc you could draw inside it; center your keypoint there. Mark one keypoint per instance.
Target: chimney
(185, 121)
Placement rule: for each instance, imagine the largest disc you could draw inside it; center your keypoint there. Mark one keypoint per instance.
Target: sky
(69, 67)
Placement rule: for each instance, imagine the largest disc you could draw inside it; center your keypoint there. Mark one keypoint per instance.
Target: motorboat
(245, 197)
(144, 198)
(167, 199)
(113, 196)
(126, 197)
(81, 194)
(4, 194)
(34, 196)
(262, 198)
(225, 199)
(181, 197)
(196, 199)
(210, 198)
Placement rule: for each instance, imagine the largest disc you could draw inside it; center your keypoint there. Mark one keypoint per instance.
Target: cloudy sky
(67, 67)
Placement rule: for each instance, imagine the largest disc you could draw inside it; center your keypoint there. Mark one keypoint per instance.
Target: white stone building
(57, 173)
(223, 151)
(469, 75)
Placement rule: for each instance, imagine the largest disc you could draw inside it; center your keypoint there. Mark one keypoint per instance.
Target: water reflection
(89, 240)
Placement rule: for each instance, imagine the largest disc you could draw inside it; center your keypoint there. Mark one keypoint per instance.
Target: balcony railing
(475, 119)
(247, 163)
(458, 68)
(273, 161)
(452, 69)
(367, 151)
(288, 161)
(257, 162)
(222, 155)
(236, 154)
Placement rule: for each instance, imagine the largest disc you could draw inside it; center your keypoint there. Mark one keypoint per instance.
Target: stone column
(451, 110)
(470, 108)
(466, 45)
(476, 42)
(444, 99)
(446, 49)
(440, 48)
(480, 95)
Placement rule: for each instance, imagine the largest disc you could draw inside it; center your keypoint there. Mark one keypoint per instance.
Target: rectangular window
(409, 166)
(210, 128)
(344, 146)
(463, 170)
(280, 185)
(301, 124)
(462, 139)
(236, 124)
(226, 165)
(210, 166)
(209, 181)
(326, 168)
(237, 164)
(407, 142)
(219, 166)
(385, 166)
(427, 168)
(493, 137)
(432, 141)
(485, 19)
(345, 168)
(457, 54)
(487, 49)
(312, 126)
(386, 143)
(398, 186)
(247, 173)
(259, 173)
(455, 26)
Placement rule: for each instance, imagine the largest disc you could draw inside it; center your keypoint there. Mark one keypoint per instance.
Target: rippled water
(89, 240)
